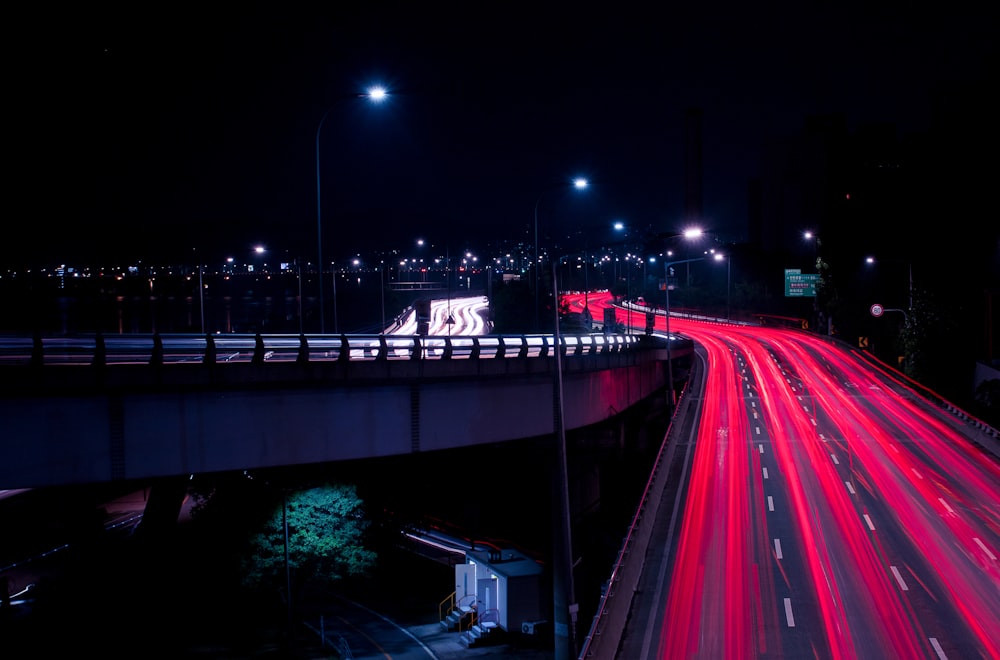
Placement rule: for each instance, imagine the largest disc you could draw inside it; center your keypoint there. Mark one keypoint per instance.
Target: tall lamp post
(201, 296)
(729, 265)
(563, 591)
(688, 234)
(376, 95)
(298, 265)
(201, 291)
(870, 261)
(666, 288)
(578, 183)
(909, 267)
(381, 277)
(628, 293)
(621, 226)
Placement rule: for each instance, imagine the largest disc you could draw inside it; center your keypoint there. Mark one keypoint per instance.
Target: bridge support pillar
(162, 508)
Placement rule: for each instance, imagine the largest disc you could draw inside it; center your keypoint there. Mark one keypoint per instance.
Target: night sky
(150, 130)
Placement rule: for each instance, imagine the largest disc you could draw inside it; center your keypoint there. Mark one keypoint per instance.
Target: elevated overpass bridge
(99, 409)
(93, 409)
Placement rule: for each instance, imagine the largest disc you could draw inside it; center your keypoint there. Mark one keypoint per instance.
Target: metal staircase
(457, 615)
(484, 631)
(476, 627)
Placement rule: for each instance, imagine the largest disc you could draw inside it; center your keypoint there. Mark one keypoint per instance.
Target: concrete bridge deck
(92, 409)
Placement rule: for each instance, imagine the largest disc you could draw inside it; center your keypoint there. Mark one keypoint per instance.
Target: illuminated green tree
(326, 534)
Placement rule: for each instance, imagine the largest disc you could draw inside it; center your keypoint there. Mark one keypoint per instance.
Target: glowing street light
(375, 94)
(718, 256)
(578, 183)
(621, 226)
(870, 261)
(688, 234)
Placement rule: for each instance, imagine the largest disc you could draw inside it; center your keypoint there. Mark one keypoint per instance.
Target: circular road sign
(877, 310)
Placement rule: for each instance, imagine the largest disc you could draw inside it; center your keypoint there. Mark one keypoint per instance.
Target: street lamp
(878, 309)
(578, 183)
(909, 266)
(381, 277)
(688, 234)
(375, 94)
(298, 265)
(563, 592)
(201, 291)
(620, 226)
(666, 287)
(729, 264)
(201, 296)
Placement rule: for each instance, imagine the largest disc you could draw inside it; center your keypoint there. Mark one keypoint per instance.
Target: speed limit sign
(877, 310)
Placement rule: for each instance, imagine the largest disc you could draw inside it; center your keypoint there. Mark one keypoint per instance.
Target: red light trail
(830, 511)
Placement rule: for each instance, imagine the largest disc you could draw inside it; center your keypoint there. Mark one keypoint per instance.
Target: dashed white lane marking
(765, 472)
(985, 549)
(938, 649)
(777, 548)
(899, 578)
(760, 448)
(834, 457)
(850, 488)
(919, 476)
(868, 520)
(945, 505)
(788, 613)
(770, 503)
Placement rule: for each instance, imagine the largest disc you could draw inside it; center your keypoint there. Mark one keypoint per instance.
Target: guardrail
(159, 349)
(608, 624)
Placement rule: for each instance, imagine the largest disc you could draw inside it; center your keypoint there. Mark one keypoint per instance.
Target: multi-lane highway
(828, 511)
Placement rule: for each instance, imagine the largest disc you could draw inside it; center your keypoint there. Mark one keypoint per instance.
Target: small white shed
(504, 585)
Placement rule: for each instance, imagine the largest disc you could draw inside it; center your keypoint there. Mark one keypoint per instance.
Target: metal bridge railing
(248, 348)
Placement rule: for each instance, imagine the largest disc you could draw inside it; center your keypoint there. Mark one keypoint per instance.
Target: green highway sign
(799, 285)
